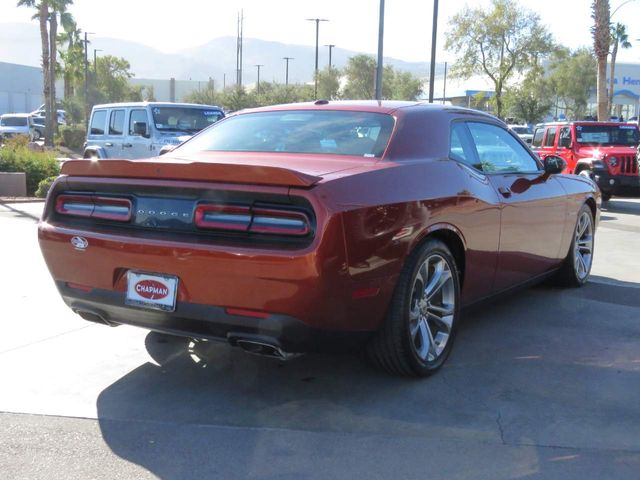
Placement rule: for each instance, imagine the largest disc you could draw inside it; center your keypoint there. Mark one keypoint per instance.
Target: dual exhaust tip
(256, 345)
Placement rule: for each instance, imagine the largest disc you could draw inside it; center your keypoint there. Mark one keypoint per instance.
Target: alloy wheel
(583, 246)
(432, 308)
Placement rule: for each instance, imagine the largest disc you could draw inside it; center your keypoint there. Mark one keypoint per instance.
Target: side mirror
(554, 165)
(140, 128)
(529, 141)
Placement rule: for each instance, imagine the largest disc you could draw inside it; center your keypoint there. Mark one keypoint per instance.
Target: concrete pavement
(542, 384)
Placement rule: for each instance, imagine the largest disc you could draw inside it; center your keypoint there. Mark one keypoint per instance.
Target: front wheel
(577, 266)
(420, 326)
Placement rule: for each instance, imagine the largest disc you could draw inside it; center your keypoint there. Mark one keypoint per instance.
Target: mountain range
(20, 43)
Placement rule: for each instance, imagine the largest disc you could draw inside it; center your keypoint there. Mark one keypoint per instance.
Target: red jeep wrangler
(603, 151)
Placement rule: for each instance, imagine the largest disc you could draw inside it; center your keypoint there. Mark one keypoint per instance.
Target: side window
(97, 122)
(116, 122)
(537, 137)
(551, 137)
(565, 137)
(499, 152)
(456, 150)
(137, 116)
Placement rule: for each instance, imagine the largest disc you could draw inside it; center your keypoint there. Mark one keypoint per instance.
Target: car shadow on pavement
(621, 206)
(19, 211)
(527, 372)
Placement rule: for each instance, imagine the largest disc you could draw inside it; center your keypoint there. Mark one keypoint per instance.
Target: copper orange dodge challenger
(298, 228)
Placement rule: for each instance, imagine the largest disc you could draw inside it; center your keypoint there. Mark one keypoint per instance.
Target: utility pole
(258, 84)
(86, 82)
(315, 75)
(434, 37)
(380, 66)
(330, 49)
(444, 88)
(239, 48)
(95, 64)
(224, 81)
(286, 74)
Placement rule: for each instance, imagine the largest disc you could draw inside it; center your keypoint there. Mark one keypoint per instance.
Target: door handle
(108, 144)
(504, 191)
(127, 145)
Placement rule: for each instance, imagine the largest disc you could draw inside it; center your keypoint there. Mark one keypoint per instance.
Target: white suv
(14, 124)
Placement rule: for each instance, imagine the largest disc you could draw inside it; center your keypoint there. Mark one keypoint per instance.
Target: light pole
(286, 74)
(434, 36)
(95, 63)
(315, 75)
(330, 49)
(379, 66)
(86, 79)
(258, 84)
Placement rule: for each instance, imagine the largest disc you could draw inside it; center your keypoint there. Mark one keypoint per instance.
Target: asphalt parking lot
(542, 384)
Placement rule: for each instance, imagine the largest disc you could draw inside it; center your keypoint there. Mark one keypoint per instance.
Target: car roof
(153, 104)
(16, 115)
(374, 106)
(580, 122)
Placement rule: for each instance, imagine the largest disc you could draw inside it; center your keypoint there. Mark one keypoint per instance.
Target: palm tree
(57, 7)
(42, 14)
(619, 38)
(600, 12)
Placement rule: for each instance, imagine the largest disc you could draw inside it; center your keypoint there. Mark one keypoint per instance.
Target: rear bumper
(207, 322)
(617, 184)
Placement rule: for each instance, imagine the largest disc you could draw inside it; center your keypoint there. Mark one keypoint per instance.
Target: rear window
(97, 122)
(13, 121)
(362, 134)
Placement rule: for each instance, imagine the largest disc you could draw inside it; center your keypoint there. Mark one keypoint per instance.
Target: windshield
(184, 119)
(334, 132)
(13, 121)
(608, 134)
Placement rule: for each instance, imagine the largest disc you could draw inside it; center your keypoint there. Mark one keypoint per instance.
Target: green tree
(619, 39)
(112, 81)
(601, 14)
(329, 83)
(498, 43)
(529, 101)
(361, 78)
(403, 85)
(571, 80)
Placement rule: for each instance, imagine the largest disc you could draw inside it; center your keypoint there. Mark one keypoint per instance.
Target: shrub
(15, 156)
(44, 186)
(73, 137)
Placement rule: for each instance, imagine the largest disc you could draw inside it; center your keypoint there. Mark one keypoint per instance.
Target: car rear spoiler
(197, 171)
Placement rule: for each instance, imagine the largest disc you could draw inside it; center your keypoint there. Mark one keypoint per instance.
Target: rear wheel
(577, 266)
(420, 327)
(36, 135)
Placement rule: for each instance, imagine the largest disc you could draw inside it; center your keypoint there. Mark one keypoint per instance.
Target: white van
(141, 129)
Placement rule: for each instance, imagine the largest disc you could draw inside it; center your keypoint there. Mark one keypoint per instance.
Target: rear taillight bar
(257, 220)
(93, 206)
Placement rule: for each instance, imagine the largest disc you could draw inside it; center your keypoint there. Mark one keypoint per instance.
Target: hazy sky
(171, 25)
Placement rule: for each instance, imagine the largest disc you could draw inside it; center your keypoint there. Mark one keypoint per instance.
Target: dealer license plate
(151, 290)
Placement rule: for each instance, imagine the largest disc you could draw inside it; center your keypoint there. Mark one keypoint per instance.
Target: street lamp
(330, 49)
(317, 20)
(258, 84)
(95, 63)
(434, 35)
(379, 66)
(286, 75)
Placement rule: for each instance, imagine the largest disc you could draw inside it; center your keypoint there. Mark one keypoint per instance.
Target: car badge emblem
(80, 243)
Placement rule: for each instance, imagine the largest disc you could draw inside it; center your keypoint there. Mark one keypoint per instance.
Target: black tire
(36, 135)
(568, 275)
(393, 348)
(606, 197)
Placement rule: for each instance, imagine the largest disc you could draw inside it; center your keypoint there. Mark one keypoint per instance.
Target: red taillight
(92, 206)
(280, 222)
(257, 220)
(223, 217)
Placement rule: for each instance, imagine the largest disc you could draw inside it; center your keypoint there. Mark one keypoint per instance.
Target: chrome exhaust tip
(263, 349)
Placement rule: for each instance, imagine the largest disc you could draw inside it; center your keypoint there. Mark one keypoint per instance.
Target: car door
(114, 137)
(97, 128)
(533, 206)
(137, 145)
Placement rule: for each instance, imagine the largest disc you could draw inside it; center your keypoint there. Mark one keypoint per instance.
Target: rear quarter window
(537, 137)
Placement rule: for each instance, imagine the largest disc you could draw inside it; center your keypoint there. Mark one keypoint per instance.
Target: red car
(603, 151)
(305, 227)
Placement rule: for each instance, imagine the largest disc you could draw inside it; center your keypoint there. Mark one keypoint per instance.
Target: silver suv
(141, 129)
(14, 124)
